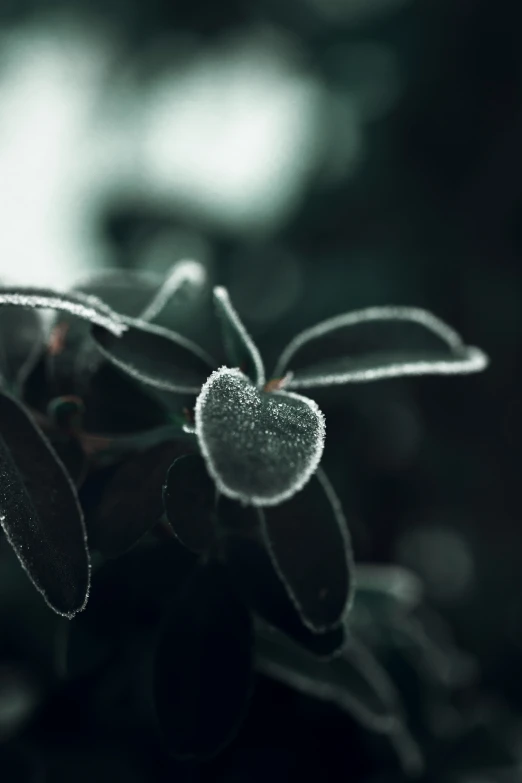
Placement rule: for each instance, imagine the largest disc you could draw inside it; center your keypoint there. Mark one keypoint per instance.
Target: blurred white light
(49, 81)
(233, 135)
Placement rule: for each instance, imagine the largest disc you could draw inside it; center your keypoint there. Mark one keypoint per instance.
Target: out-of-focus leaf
(156, 356)
(202, 670)
(256, 581)
(240, 349)
(21, 343)
(260, 448)
(132, 501)
(189, 498)
(40, 513)
(354, 681)
(375, 343)
(386, 587)
(89, 308)
(20, 694)
(309, 543)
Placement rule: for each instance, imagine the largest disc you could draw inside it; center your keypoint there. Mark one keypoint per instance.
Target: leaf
(156, 356)
(309, 544)
(251, 570)
(189, 499)
(21, 342)
(354, 681)
(376, 343)
(240, 349)
(185, 278)
(388, 587)
(88, 308)
(72, 355)
(260, 448)
(40, 512)
(202, 670)
(131, 503)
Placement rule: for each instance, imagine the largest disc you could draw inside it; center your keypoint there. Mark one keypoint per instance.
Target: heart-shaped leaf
(40, 512)
(257, 582)
(309, 543)
(89, 308)
(202, 671)
(131, 503)
(375, 343)
(189, 498)
(354, 681)
(21, 342)
(240, 349)
(156, 356)
(260, 448)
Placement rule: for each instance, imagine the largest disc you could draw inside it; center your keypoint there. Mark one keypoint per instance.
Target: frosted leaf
(40, 512)
(184, 275)
(89, 308)
(239, 346)
(156, 356)
(354, 681)
(309, 544)
(376, 343)
(260, 448)
(259, 585)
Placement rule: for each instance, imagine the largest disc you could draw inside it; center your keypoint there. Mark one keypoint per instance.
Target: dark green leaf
(309, 543)
(241, 350)
(259, 585)
(202, 672)
(354, 681)
(189, 498)
(260, 448)
(132, 501)
(379, 342)
(156, 356)
(40, 512)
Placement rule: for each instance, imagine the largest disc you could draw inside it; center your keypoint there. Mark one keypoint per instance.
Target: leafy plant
(209, 451)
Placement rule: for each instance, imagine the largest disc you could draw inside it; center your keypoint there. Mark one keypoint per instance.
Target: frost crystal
(240, 334)
(259, 448)
(89, 308)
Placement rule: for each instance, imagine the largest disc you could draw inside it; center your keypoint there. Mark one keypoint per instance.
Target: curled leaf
(240, 349)
(189, 499)
(309, 544)
(260, 448)
(376, 343)
(89, 308)
(156, 356)
(202, 669)
(40, 513)
(183, 275)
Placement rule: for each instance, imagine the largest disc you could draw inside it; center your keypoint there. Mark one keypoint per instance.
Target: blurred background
(317, 156)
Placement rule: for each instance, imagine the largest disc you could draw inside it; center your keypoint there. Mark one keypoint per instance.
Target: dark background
(428, 213)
